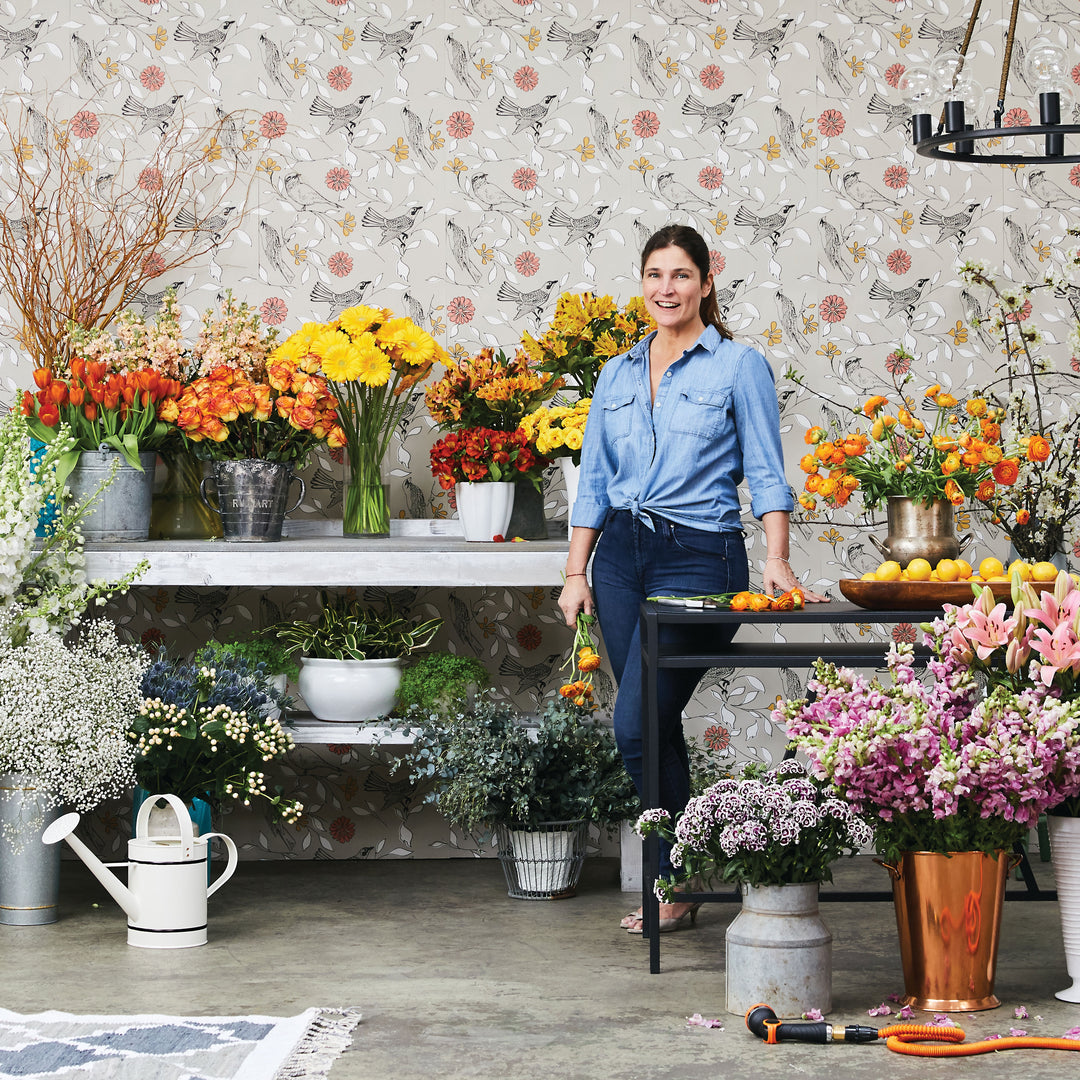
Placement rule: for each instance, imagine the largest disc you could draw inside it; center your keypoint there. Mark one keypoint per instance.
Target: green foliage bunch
(440, 682)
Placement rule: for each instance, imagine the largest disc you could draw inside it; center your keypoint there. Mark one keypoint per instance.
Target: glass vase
(367, 497)
(178, 511)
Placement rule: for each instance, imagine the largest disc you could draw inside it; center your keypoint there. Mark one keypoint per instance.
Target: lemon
(964, 568)
(1044, 571)
(991, 568)
(888, 571)
(1019, 566)
(919, 570)
(869, 576)
(947, 570)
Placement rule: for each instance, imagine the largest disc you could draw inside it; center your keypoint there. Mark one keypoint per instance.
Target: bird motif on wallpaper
(272, 61)
(1047, 193)
(273, 250)
(394, 43)
(152, 116)
(396, 228)
(149, 303)
(832, 244)
(583, 228)
(306, 13)
(416, 135)
(460, 248)
(764, 41)
(601, 129)
(975, 317)
(322, 479)
(949, 40)
(490, 196)
(116, 11)
(896, 113)
(306, 197)
(1052, 9)
(863, 195)
(726, 297)
(416, 499)
(766, 227)
(20, 41)
(528, 303)
(677, 196)
(526, 117)
(830, 60)
(793, 326)
(578, 42)
(900, 301)
(864, 10)
(460, 65)
(208, 605)
(14, 230)
(463, 619)
(338, 302)
(414, 308)
(208, 43)
(1018, 242)
(398, 794)
(342, 117)
(531, 678)
(39, 129)
(490, 12)
(788, 132)
(85, 63)
(950, 226)
(647, 64)
(213, 226)
(229, 134)
(676, 11)
(717, 116)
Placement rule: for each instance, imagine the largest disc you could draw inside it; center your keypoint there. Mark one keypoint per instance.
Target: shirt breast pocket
(618, 416)
(701, 413)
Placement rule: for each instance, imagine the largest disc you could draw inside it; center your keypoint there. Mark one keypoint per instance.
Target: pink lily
(989, 631)
(1060, 651)
(1051, 612)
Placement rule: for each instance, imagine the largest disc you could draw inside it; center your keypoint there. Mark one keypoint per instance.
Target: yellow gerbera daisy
(374, 365)
(357, 320)
(415, 346)
(342, 361)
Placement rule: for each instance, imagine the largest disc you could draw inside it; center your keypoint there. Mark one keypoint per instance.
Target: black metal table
(868, 653)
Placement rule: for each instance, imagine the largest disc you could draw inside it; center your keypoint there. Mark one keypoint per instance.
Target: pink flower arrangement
(968, 759)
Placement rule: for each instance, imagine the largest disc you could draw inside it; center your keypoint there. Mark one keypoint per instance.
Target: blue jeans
(634, 562)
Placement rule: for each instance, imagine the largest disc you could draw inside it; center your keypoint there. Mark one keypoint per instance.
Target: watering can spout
(63, 828)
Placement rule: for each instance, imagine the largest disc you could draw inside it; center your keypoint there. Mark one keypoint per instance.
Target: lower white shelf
(306, 730)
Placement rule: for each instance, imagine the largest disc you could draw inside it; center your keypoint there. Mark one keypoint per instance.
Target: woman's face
(673, 289)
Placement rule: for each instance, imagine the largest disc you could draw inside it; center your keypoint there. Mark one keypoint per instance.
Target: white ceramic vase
(349, 691)
(1065, 848)
(543, 860)
(779, 951)
(484, 509)
(570, 473)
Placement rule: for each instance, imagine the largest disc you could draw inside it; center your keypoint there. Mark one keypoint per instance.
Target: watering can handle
(231, 868)
(183, 818)
(303, 492)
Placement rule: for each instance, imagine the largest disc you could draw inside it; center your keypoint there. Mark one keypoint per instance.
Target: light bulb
(916, 87)
(1046, 67)
(943, 73)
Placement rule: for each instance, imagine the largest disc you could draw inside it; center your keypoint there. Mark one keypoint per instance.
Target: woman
(675, 424)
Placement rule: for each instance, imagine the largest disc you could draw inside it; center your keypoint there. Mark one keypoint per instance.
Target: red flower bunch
(126, 410)
(480, 454)
(281, 419)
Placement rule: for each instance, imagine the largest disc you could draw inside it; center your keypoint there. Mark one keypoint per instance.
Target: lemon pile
(989, 569)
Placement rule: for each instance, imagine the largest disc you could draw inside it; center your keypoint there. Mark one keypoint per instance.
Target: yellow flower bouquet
(373, 360)
(558, 430)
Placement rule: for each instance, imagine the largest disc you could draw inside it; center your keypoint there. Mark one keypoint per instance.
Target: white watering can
(165, 897)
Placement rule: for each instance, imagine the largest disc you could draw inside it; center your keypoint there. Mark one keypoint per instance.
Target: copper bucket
(948, 914)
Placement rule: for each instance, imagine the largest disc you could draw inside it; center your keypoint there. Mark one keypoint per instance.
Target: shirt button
(667, 374)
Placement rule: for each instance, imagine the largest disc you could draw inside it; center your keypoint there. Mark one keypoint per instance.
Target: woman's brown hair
(690, 241)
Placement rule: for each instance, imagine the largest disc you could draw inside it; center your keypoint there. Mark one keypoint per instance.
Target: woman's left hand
(778, 577)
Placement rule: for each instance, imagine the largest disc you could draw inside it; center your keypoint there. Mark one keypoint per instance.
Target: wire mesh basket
(543, 863)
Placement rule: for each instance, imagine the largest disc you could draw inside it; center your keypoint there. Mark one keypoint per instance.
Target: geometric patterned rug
(60, 1046)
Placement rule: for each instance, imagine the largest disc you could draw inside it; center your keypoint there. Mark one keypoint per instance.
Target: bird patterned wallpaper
(466, 161)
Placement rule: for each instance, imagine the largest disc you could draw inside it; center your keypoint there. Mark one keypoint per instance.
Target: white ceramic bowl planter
(349, 691)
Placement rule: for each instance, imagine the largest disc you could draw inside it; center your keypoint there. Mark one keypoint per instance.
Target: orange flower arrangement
(582, 662)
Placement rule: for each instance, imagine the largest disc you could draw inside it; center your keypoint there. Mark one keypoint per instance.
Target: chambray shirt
(715, 421)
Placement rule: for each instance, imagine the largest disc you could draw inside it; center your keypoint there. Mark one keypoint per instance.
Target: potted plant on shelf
(272, 657)
(537, 782)
(952, 777)
(441, 682)
(373, 360)
(351, 657)
(776, 832)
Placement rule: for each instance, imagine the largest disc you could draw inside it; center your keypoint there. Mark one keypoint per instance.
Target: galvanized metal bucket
(122, 495)
(251, 498)
(30, 881)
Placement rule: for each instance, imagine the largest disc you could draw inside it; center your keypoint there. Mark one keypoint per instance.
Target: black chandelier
(1046, 69)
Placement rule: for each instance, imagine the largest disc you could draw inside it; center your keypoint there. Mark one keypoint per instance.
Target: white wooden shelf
(306, 730)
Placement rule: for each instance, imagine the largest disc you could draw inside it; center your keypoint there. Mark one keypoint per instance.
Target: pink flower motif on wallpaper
(340, 264)
(1074, 176)
(831, 123)
(529, 637)
(152, 77)
(896, 177)
(1017, 118)
(151, 179)
(712, 78)
(526, 78)
(710, 178)
(272, 125)
(1020, 316)
(337, 179)
(342, 829)
(524, 179)
(460, 310)
(339, 78)
(459, 125)
(84, 124)
(273, 311)
(717, 262)
(833, 309)
(153, 265)
(341, 749)
(717, 737)
(893, 73)
(904, 634)
(337, 3)
(898, 261)
(897, 364)
(646, 124)
(527, 263)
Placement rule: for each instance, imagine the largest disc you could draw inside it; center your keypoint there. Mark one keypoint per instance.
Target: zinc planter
(779, 951)
(349, 691)
(121, 510)
(29, 869)
(1065, 848)
(251, 498)
(920, 531)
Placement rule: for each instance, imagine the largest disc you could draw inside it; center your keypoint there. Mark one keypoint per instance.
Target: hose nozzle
(763, 1022)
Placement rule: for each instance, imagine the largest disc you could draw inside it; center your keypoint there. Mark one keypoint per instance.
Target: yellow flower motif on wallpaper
(671, 67)
(772, 336)
(536, 599)
(642, 165)
(347, 224)
(457, 352)
(858, 251)
(827, 164)
(771, 149)
(586, 149)
(534, 224)
(856, 65)
(719, 37)
(347, 38)
(82, 167)
(903, 35)
(622, 138)
(111, 67)
(26, 149)
(958, 333)
(299, 68)
(719, 223)
(831, 537)
(485, 67)
(400, 149)
(437, 325)
(455, 166)
(532, 38)
(486, 253)
(1043, 251)
(830, 350)
(809, 322)
(212, 150)
(435, 139)
(160, 38)
(906, 221)
(251, 139)
(268, 165)
(808, 137)
(298, 253)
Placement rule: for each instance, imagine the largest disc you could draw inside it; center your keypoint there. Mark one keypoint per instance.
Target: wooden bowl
(915, 595)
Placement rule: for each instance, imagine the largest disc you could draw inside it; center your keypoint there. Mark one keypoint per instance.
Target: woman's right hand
(575, 598)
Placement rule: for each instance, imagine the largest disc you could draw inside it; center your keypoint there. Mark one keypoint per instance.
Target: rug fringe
(326, 1038)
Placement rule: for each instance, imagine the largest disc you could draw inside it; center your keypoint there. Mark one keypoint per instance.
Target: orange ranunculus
(855, 445)
(825, 450)
(953, 493)
(918, 428)
(992, 454)
(877, 430)
(1007, 471)
(932, 391)
(1022, 516)
(1038, 449)
(848, 482)
(889, 420)
(808, 463)
(950, 464)
(873, 405)
(807, 502)
(976, 407)
(946, 401)
(972, 459)
(814, 435)
(991, 431)
(985, 491)
(813, 482)
(827, 487)
(904, 417)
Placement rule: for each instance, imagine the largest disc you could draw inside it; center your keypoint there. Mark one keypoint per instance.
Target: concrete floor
(456, 980)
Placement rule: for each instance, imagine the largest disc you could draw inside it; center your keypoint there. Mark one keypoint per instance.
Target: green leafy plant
(276, 657)
(440, 682)
(346, 630)
(491, 765)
